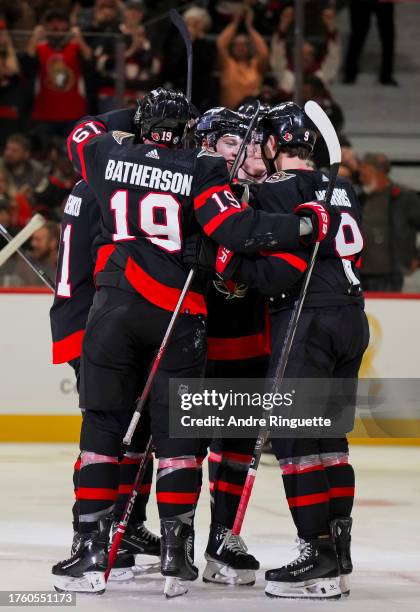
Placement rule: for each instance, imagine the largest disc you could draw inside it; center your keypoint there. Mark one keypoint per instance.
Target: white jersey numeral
(64, 286)
(348, 242)
(165, 233)
(119, 204)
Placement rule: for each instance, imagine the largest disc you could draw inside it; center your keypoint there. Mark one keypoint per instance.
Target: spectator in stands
(9, 86)
(23, 172)
(360, 15)
(391, 220)
(324, 65)
(56, 54)
(204, 87)
(142, 65)
(44, 246)
(243, 60)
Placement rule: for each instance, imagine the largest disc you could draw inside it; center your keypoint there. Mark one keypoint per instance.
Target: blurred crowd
(61, 59)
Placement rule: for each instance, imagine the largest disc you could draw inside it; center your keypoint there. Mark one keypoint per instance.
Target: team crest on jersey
(278, 177)
(120, 136)
(205, 152)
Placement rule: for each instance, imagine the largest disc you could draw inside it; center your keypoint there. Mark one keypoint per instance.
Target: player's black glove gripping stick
(39, 220)
(325, 127)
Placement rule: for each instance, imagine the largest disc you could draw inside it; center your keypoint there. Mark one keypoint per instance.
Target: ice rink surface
(35, 532)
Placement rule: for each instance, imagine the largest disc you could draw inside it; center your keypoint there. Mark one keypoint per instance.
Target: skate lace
(305, 551)
(236, 545)
(144, 534)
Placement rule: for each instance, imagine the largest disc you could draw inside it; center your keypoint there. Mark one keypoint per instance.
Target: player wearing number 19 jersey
(330, 340)
(151, 194)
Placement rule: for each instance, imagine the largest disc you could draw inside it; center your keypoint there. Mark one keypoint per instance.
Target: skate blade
(121, 574)
(345, 585)
(90, 582)
(219, 573)
(141, 569)
(323, 588)
(174, 587)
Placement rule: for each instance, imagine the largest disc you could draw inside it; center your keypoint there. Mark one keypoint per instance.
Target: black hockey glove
(325, 221)
(203, 254)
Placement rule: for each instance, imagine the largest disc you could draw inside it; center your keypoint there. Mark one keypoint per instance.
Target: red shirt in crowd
(60, 91)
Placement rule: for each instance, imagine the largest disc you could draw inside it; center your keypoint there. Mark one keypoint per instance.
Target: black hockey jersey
(335, 279)
(151, 197)
(237, 327)
(75, 287)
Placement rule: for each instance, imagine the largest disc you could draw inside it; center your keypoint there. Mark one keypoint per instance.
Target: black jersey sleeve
(232, 223)
(273, 272)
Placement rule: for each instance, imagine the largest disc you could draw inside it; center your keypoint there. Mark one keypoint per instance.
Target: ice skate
(137, 540)
(340, 533)
(85, 571)
(313, 575)
(177, 556)
(228, 561)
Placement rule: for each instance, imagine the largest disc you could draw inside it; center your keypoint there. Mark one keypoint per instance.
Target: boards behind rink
(34, 521)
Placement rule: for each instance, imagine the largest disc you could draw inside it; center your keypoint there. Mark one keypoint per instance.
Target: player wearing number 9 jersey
(331, 337)
(151, 194)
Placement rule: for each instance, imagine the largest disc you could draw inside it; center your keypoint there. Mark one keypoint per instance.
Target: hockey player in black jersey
(73, 298)
(152, 194)
(330, 340)
(238, 346)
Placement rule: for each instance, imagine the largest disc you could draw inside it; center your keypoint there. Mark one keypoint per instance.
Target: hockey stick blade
(179, 23)
(34, 224)
(245, 141)
(327, 131)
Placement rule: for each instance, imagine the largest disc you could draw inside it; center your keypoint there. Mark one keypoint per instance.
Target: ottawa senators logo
(59, 76)
(155, 136)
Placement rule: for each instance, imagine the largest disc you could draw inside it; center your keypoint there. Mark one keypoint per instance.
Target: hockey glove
(203, 254)
(325, 221)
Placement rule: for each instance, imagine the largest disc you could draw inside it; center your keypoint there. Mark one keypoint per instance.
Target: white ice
(35, 532)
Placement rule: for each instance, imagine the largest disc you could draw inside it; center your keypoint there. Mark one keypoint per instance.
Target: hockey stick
(325, 127)
(179, 23)
(15, 243)
(251, 127)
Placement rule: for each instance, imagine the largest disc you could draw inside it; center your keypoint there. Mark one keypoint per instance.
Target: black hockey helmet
(290, 126)
(218, 122)
(248, 110)
(163, 115)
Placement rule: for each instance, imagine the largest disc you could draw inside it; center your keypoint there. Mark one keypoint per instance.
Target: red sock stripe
(308, 500)
(130, 461)
(227, 487)
(342, 492)
(164, 497)
(77, 465)
(215, 457)
(211, 485)
(126, 489)
(93, 493)
(239, 457)
(299, 469)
